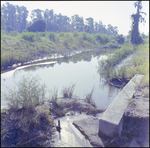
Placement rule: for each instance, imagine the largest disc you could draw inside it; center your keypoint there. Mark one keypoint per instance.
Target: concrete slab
(112, 119)
(89, 128)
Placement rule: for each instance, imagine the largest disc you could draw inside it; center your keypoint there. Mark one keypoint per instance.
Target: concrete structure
(112, 119)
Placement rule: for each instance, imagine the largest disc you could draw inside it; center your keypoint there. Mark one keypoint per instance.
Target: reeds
(67, 92)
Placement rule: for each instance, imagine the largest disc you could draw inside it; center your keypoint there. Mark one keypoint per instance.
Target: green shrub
(102, 38)
(42, 34)
(13, 33)
(122, 72)
(74, 46)
(66, 43)
(37, 36)
(113, 59)
(52, 37)
(3, 32)
(75, 34)
(29, 36)
(86, 37)
(29, 93)
(112, 44)
(61, 34)
(68, 35)
(7, 59)
(120, 39)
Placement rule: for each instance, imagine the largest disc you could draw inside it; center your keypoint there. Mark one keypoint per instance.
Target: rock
(89, 128)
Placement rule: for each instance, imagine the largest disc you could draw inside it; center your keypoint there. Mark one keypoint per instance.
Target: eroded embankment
(135, 130)
(34, 127)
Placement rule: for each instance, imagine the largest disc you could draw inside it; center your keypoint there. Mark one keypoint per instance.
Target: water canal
(80, 69)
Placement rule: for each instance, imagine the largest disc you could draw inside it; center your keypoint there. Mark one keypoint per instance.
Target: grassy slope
(138, 65)
(19, 48)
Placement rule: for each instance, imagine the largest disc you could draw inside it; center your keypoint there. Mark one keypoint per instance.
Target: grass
(58, 107)
(132, 101)
(54, 95)
(138, 65)
(20, 48)
(67, 92)
(146, 99)
(24, 125)
(28, 126)
(89, 97)
(116, 57)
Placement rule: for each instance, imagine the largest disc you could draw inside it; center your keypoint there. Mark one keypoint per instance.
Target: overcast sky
(116, 13)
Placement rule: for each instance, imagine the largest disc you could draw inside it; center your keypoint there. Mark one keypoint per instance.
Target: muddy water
(81, 70)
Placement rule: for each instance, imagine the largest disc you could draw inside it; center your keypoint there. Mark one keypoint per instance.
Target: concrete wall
(112, 120)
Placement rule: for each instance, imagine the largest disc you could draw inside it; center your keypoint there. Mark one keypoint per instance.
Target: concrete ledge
(111, 121)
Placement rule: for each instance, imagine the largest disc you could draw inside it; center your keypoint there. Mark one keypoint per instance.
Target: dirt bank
(135, 131)
(34, 126)
(25, 127)
(64, 106)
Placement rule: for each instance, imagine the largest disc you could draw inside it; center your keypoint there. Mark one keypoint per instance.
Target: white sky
(116, 13)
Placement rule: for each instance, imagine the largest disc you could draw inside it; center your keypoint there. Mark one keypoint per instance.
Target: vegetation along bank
(29, 119)
(20, 48)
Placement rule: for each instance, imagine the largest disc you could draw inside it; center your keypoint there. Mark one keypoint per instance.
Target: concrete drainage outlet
(112, 120)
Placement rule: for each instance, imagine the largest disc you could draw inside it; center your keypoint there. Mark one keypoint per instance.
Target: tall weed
(54, 95)
(67, 92)
(89, 97)
(29, 36)
(52, 36)
(29, 93)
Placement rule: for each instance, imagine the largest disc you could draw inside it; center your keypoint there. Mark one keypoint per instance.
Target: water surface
(80, 69)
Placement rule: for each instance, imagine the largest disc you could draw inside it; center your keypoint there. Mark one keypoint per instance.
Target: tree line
(14, 18)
